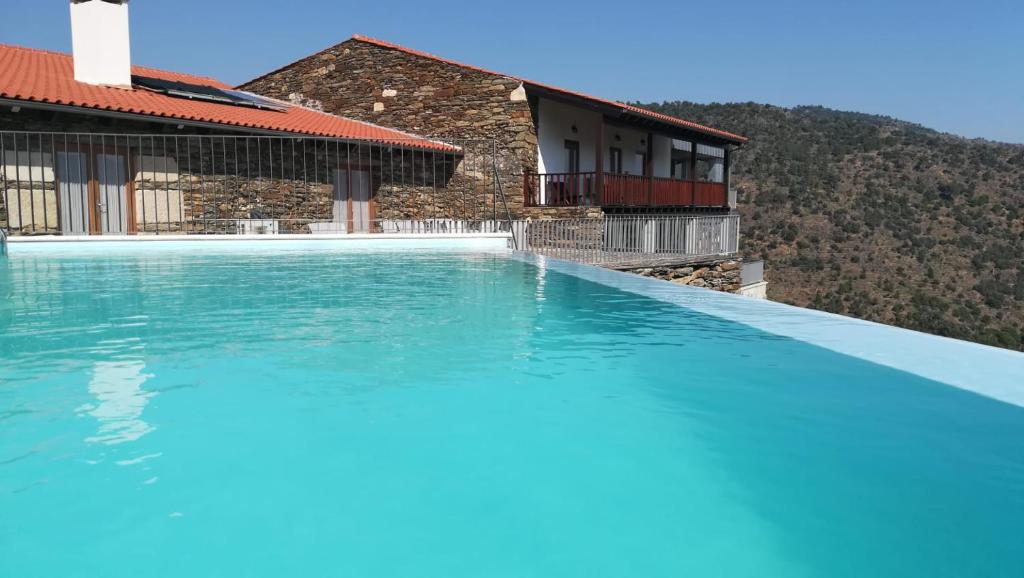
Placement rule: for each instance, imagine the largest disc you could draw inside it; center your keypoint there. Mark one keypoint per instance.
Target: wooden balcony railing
(619, 190)
(560, 189)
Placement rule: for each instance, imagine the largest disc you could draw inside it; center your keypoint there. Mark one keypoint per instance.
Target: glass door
(112, 182)
(73, 193)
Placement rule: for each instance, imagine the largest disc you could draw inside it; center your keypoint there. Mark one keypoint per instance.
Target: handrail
(620, 190)
(634, 239)
(3, 242)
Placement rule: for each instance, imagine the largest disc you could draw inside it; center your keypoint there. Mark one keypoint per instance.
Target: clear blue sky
(954, 66)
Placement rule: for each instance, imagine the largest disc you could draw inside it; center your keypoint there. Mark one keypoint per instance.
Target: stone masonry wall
(207, 183)
(422, 96)
(28, 199)
(719, 274)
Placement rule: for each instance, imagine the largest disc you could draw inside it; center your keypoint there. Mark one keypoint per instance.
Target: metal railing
(416, 227)
(3, 242)
(619, 190)
(101, 184)
(634, 239)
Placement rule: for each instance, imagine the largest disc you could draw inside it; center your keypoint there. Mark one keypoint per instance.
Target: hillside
(880, 219)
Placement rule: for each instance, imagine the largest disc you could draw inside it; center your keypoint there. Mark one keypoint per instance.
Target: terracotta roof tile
(625, 107)
(48, 77)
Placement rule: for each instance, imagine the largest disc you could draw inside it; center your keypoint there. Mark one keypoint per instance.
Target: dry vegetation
(881, 219)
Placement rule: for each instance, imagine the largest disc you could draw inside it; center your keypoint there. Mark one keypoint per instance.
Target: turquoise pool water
(465, 415)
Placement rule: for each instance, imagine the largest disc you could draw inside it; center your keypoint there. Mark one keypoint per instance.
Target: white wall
(27, 166)
(100, 44)
(662, 156)
(29, 190)
(629, 140)
(555, 122)
(159, 202)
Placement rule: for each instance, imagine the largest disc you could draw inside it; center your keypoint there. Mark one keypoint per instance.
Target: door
(340, 210)
(574, 183)
(73, 192)
(112, 181)
(360, 187)
(352, 199)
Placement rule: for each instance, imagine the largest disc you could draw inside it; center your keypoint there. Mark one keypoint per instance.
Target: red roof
(625, 107)
(48, 77)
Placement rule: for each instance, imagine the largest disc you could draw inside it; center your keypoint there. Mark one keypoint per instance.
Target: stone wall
(28, 197)
(719, 274)
(392, 88)
(204, 183)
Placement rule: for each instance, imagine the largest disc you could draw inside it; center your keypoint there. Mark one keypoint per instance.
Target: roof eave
(712, 135)
(429, 145)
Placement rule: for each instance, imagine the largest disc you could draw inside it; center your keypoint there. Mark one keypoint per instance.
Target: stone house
(90, 144)
(567, 153)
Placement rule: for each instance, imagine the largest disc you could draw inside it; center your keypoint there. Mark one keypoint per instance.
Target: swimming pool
(280, 412)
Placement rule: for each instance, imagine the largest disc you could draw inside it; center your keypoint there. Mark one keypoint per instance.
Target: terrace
(602, 158)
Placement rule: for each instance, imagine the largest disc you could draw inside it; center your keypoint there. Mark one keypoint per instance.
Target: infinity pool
(447, 414)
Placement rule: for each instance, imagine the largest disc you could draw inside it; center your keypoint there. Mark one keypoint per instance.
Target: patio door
(353, 211)
(73, 193)
(360, 182)
(93, 192)
(112, 180)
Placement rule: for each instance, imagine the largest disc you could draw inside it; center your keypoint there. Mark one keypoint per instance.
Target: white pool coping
(988, 371)
(397, 241)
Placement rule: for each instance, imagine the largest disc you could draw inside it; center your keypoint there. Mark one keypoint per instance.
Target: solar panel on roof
(207, 93)
(256, 100)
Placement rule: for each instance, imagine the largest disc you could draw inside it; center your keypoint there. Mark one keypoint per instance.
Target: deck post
(726, 168)
(599, 163)
(693, 173)
(649, 169)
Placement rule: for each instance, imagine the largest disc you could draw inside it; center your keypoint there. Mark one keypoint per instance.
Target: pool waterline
(390, 414)
(43, 244)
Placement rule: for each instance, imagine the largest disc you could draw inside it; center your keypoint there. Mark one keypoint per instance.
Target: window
(572, 156)
(710, 164)
(615, 160)
(681, 153)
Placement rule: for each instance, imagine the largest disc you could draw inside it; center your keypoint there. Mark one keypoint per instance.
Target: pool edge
(932, 357)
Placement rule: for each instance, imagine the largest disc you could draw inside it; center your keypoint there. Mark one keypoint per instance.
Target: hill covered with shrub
(880, 219)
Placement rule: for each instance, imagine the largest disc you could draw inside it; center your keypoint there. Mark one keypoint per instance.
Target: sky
(953, 66)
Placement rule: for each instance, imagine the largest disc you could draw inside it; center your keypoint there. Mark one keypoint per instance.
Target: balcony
(614, 190)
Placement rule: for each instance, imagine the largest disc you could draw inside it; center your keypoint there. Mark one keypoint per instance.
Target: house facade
(567, 153)
(91, 145)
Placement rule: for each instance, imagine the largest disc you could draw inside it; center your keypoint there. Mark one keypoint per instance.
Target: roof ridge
(4, 45)
(413, 51)
(46, 77)
(626, 107)
(188, 74)
(292, 63)
(31, 49)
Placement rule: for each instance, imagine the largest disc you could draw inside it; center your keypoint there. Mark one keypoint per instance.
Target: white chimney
(99, 40)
